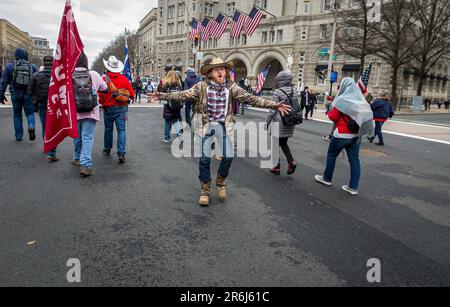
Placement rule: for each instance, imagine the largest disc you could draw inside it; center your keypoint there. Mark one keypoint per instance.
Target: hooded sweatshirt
(7, 76)
(191, 79)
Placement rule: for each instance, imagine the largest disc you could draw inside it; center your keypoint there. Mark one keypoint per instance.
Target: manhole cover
(372, 153)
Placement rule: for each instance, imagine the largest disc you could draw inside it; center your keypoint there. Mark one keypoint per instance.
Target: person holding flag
(214, 119)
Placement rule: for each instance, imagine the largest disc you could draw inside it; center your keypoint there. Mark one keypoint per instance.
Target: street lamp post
(333, 46)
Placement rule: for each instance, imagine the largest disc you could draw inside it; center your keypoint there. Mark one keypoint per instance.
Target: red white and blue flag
(239, 21)
(232, 74)
(206, 29)
(363, 82)
(253, 21)
(221, 24)
(262, 79)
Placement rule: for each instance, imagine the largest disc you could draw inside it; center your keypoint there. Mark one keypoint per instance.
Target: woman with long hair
(172, 109)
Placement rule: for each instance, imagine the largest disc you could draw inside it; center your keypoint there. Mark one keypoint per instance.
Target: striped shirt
(217, 100)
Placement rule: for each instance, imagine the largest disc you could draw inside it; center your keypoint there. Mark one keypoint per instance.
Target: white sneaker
(321, 180)
(347, 189)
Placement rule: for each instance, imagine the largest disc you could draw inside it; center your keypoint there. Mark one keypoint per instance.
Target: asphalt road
(442, 119)
(139, 224)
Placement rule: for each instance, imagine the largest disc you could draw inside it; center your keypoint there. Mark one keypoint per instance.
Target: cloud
(98, 21)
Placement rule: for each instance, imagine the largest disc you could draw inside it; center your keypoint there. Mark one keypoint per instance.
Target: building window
(262, 4)
(209, 9)
(181, 9)
(170, 29)
(279, 36)
(306, 8)
(244, 39)
(231, 8)
(272, 37)
(171, 11)
(180, 27)
(304, 34)
(323, 31)
(264, 37)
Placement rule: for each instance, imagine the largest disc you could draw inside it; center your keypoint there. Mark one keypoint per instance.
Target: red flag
(61, 120)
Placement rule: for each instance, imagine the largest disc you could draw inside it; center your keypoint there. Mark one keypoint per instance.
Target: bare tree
(117, 48)
(356, 35)
(396, 37)
(432, 22)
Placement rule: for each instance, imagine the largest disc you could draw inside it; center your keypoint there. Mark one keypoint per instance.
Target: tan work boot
(221, 188)
(204, 196)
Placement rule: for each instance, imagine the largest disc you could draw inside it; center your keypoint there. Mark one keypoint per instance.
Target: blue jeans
(378, 132)
(352, 147)
(22, 101)
(216, 134)
(42, 116)
(117, 115)
(187, 112)
(82, 147)
(168, 127)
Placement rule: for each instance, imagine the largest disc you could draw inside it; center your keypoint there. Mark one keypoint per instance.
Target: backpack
(121, 95)
(296, 116)
(351, 124)
(85, 96)
(174, 105)
(22, 74)
(42, 85)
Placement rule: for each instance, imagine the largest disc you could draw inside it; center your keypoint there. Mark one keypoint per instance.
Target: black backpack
(22, 75)
(174, 105)
(352, 125)
(85, 96)
(295, 117)
(42, 85)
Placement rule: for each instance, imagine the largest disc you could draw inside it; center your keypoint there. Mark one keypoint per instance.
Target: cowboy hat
(216, 62)
(113, 64)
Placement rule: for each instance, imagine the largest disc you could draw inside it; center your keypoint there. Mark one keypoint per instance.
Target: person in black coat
(172, 109)
(307, 100)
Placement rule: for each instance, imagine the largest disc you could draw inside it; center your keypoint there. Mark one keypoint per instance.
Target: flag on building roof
(239, 20)
(194, 30)
(253, 21)
(221, 25)
(363, 82)
(262, 79)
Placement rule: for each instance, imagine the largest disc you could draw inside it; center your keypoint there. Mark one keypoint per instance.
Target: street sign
(324, 51)
(334, 57)
(199, 56)
(334, 77)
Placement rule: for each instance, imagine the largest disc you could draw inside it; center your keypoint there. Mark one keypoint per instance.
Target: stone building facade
(294, 29)
(12, 38)
(146, 47)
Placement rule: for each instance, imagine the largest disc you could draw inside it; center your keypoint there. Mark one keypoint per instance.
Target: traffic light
(196, 40)
(321, 75)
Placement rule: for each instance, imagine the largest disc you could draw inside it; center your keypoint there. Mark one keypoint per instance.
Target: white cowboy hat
(113, 64)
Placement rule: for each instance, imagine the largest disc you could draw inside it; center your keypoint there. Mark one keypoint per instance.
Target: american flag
(195, 30)
(363, 82)
(206, 29)
(239, 20)
(262, 79)
(232, 75)
(220, 26)
(253, 21)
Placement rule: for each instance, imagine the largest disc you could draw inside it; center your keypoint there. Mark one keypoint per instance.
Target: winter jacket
(312, 100)
(40, 82)
(199, 94)
(382, 110)
(191, 79)
(120, 82)
(7, 76)
(284, 83)
(340, 121)
(168, 113)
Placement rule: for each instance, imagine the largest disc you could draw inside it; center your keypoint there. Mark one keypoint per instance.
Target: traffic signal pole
(333, 47)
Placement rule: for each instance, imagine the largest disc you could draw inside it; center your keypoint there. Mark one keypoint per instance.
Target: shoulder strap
(288, 96)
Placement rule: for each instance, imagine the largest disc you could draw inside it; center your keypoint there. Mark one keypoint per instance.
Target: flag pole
(261, 9)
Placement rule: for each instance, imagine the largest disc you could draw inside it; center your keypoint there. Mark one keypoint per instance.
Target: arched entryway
(275, 67)
(240, 70)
